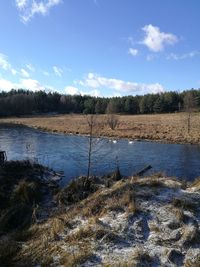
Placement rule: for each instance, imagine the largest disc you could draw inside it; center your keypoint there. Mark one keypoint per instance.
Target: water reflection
(69, 153)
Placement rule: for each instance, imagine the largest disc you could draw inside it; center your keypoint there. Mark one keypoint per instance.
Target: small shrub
(16, 217)
(77, 190)
(141, 258)
(155, 182)
(8, 249)
(112, 121)
(117, 175)
(26, 192)
(185, 203)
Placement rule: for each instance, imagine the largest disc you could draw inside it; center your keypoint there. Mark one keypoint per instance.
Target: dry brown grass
(179, 214)
(190, 235)
(46, 251)
(8, 250)
(140, 257)
(192, 260)
(154, 227)
(73, 235)
(73, 260)
(196, 184)
(186, 203)
(163, 127)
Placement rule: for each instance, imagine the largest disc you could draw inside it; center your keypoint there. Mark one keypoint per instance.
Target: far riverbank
(166, 128)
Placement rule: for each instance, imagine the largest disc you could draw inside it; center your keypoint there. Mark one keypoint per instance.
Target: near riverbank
(102, 221)
(171, 128)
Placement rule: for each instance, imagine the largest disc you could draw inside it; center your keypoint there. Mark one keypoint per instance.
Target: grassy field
(160, 127)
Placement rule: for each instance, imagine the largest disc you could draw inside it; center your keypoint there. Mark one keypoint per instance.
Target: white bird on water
(114, 141)
(130, 142)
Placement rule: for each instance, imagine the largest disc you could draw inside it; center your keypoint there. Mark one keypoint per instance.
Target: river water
(69, 153)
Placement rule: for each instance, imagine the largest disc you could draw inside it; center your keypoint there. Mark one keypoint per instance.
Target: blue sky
(100, 47)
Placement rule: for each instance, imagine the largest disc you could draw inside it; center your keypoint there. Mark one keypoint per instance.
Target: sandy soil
(170, 128)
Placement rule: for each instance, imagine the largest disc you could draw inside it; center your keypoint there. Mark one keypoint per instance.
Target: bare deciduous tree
(91, 152)
(91, 121)
(112, 121)
(92, 149)
(190, 105)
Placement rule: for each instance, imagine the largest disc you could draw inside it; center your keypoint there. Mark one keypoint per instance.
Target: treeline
(22, 102)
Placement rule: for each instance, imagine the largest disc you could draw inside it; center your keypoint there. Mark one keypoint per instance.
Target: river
(68, 153)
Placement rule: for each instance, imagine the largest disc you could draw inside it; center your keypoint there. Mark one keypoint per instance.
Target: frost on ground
(150, 221)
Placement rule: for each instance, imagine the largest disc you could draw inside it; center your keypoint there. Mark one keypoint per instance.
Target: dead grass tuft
(77, 190)
(154, 227)
(26, 192)
(185, 203)
(190, 235)
(158, 175)
(57, 227)
(140, 257)
(192, 258)
(179, 214)
(8, 250)
(76, 258)
(196, 183)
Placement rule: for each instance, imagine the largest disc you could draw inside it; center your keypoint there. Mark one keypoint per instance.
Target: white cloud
(133, 52)
(27, 84)
(71, 90)
(29, 8)
(30, 84)
(95, 81)
(95, 93)
(5, 65)
(152, 88)
(30, 67)
(116, 94)
(6, 85)
(156, 40)
(21, 3)
(24, 73)
(13, 71)
(183, 56)
(58, 71)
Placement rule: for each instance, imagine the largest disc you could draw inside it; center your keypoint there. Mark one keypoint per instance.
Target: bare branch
(112, 121)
